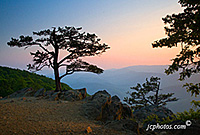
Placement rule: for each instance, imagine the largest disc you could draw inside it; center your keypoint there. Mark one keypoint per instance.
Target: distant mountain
(12, 80)
(119, 81)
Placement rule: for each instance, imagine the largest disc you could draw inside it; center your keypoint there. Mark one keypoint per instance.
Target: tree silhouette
(77, 44)
(184, 29)
(143, 94)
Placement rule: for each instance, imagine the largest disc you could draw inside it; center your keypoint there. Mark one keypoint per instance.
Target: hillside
(12, 80)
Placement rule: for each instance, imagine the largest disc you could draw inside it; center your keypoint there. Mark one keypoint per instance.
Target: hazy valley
(119, 81)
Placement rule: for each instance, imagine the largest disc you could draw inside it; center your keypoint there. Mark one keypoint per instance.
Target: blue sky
(128, 26)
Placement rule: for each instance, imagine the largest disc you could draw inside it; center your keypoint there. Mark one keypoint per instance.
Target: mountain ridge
(119, 81)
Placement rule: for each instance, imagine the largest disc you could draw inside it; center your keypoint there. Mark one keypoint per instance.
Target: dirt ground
(30, 116)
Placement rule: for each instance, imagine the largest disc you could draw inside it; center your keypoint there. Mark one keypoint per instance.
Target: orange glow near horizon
(130, 47)
(128, 28)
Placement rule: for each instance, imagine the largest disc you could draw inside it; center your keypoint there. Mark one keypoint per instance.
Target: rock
(124, 125)
(29, 93)
(71, 95)
(83, 92)
(115, 110)
(54, 96)
(22, 93)
(48, 94)
(104, 108)
(92, 108)
(101, 96)
(66, 95)
(115, 99)
(40, 92)
(126, 111)
(143, 113)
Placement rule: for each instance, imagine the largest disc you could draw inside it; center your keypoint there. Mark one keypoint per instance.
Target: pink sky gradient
(128, 28)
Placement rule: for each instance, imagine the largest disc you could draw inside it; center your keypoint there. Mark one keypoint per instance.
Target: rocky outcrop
(27, 92)
(102, 107)
(67, 95)
(92, 108)
(73, 95)
(143, 113)
(23, 92)
(40, 92)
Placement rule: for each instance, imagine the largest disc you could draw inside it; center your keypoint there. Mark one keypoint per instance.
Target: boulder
(92, 108)
(54, 96)
(126, 111)
(83, 92)
(71, 95)
(144, 112)
(40, 92)
(115, 110)
(22, 93)
(104, 108)
(66, 95)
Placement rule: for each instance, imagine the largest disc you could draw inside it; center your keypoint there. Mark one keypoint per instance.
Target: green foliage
(151, 118)
(183, 116)
(184, 29)
(196, 103)
(193, 88)
(142, 94)
(12, 80)
(191, 114)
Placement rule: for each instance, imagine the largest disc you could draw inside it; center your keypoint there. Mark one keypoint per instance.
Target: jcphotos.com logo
(165, 126)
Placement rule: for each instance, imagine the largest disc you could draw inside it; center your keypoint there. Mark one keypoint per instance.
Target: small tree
(77, 44)
(143, 94)
(184, 29)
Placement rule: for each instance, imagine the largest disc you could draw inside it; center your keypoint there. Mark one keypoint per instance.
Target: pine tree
(148, 94)
(75, 43)
(183, 29)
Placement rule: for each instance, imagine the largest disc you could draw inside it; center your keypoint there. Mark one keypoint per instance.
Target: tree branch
(65, 58)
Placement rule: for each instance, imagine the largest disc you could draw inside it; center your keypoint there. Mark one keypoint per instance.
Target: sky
(127, 26)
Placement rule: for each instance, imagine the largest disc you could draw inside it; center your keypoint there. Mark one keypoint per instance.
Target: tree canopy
(148, 94)
(75, 43)
(183, 29)
(12, 80)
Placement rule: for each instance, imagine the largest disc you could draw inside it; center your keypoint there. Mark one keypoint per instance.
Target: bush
(183, 116)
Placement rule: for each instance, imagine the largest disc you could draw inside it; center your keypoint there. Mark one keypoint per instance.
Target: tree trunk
(55, 63)
(156, 102)
(57, 79)
(56, 71)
